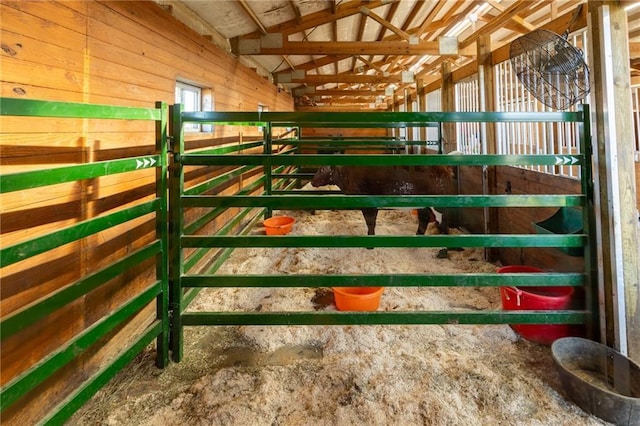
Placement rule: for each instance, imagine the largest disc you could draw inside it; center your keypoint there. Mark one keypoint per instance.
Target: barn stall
(271, 359)
(45, 372)
(278, 195)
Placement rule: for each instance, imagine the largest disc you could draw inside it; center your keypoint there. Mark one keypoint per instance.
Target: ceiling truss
(340, 52)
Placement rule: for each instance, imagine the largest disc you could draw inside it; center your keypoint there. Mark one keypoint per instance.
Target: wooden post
(616, 211)
(488, 136)
(448, 105)
(422, 106)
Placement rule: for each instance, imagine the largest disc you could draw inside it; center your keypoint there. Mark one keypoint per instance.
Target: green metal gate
(282, 171)
(43, 371)
(179, 245)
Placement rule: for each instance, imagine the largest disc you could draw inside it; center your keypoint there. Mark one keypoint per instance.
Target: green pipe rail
(156, 251)
(273, 168)
(270, 198)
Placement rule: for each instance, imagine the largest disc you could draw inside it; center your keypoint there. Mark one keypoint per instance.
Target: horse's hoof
(443, 253)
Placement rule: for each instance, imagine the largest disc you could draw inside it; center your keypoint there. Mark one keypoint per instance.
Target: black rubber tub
(598, 379)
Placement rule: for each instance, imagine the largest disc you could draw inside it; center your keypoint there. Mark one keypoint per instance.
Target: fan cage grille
(550, 68)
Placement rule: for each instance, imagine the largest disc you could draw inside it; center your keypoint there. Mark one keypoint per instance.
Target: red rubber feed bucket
(357, 298)
(536, 299)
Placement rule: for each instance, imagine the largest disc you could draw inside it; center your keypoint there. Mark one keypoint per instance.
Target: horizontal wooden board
(37, 51)
(112, 53)
(54, 270)
(38, 19)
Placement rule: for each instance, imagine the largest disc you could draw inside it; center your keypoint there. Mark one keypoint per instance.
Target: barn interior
(143, 143)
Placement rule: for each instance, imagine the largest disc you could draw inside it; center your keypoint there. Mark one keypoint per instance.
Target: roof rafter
(516, 18)
(317, 63)
(523, 6)
(361, 26)
(365, 11)
(321, 18)
(446, 23)
(296, 10)
(254, 18)
(247, 9)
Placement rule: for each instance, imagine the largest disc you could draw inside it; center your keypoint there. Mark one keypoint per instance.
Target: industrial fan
(551, 68)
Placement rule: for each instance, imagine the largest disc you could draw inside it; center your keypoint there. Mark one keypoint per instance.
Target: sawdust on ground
(343, 375)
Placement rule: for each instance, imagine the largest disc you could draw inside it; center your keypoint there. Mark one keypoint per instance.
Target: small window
(261, 109)
(191, 99)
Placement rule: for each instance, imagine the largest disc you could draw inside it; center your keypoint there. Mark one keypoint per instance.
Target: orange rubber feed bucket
(357, 298)
(278, 225)
(536, 299)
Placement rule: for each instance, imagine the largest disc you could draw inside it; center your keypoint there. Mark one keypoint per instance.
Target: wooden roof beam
(348, 78)
(329, 108)
(320, 18)
(347, 92)
(296, 10)
(411, 15)
(526, 27)
(390, 14)
(334, 34)
(558, 25)
(354, 47)
(371, 65)
(288, 62)
(245, 6)
(247, 9)
(361, 27)
(430, 17)
(320, 62)
(522, 6)
(339, 101)
(451, 20)
(402, 34)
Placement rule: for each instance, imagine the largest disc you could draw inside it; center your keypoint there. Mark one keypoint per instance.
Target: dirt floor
(344, 375)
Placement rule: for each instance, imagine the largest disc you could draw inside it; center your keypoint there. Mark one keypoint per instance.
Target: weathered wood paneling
(117, 53)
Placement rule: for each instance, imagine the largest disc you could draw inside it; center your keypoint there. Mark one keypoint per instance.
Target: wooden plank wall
(519, 220)
(111, 52)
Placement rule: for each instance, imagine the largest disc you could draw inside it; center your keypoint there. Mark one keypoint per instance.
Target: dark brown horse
(391, 180)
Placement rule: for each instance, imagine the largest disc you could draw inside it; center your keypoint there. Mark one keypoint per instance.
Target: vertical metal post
(589, 222)
(268, 150)
(162, 223)
(297, 169)
(176, 186)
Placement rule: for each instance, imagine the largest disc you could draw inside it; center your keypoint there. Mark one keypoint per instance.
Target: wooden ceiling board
(227, 17)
